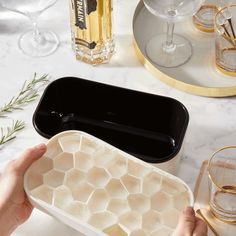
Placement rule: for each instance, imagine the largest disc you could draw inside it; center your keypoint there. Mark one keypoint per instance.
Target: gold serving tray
(199, 76)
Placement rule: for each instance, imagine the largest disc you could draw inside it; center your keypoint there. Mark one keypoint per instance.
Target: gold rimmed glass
(222, 184)
(204, 18)
(225, 40)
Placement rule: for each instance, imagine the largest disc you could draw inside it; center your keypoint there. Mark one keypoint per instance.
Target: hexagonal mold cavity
(170, 186)
(118, 206)
(62, 197)
(53, 149)
(170, 218)
(137, 169)
(34, 180)
(118, 166)
(131, 221)
(139, 232)
(88, 146)
(78, 210)
(63, 161)
(82, 193)
(74, 178)
(42, 165)
(98, 177)
(180, 201)
(102, 220)
(161, 201)
(116, 189)
(115, 230)
(98, 201)
(43, 193)
(151, 221)
(151, 183)
(139, 203)
(131, 183)
(103, 156)
(162, 232)
(83, 161)
(70, 143)
(53, 178)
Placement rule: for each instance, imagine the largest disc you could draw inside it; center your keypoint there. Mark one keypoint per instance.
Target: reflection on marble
(212, 120)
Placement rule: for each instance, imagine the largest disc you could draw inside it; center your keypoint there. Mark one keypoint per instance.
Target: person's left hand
(15, 207)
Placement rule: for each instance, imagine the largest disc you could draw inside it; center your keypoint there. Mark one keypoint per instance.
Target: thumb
(26, 159)
(186, 223)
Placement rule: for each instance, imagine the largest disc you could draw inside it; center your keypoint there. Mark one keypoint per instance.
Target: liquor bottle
(91, 30)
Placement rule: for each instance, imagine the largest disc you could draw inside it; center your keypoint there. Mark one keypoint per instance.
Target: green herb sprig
(27, 94)
(10, 132)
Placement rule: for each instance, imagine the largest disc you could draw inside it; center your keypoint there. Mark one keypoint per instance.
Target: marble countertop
(212, 120)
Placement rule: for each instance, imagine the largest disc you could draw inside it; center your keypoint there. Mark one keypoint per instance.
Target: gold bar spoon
(198, 211)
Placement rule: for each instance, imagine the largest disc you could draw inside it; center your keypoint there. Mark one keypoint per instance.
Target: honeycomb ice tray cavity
(99, 190)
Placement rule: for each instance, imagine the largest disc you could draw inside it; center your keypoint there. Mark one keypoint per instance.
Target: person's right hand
(190, 225)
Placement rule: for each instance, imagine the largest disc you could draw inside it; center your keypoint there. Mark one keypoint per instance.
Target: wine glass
(168, 49)
(35, 42)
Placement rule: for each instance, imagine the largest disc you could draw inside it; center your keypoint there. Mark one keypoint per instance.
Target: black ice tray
(148, 126)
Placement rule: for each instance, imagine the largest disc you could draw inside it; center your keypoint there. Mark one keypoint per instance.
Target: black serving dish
(148, 126)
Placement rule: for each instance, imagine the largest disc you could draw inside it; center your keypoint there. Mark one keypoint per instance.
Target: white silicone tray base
(99, 190)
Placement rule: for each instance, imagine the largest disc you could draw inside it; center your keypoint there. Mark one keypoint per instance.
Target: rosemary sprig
(10, 132)
(27, 94)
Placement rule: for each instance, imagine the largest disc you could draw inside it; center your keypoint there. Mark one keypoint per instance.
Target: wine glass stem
(36, 30)
(169, 46)
(37, 36)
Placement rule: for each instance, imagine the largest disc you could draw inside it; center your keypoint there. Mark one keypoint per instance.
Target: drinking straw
(228, 16)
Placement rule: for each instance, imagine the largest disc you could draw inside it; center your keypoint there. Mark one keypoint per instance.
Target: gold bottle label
(80, 19)
(83, 8)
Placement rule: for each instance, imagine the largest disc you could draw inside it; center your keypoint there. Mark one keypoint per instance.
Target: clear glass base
(223, 216)
(169, 57)
(204, 18)
(98, 55)
(44, 46)
(226, 60)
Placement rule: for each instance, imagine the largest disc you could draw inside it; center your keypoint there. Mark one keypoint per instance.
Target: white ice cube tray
(100, 190)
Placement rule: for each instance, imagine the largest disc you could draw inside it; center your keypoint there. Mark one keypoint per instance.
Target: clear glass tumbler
(225, 40)
(204, 18)
(222, 184)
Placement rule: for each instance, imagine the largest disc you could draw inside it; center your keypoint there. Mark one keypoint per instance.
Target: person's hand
(15, 207)
(190, 225)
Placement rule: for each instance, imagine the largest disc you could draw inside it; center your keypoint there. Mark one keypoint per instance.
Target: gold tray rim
(185, 87)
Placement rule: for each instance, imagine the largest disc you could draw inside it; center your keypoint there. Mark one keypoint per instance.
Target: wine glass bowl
(169, 49)
(34, 42)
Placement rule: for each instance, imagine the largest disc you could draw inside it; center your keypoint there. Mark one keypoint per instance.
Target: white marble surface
(212, 120)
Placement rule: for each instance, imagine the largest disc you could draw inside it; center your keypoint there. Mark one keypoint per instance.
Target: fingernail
(189, 211)
(41, 146)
